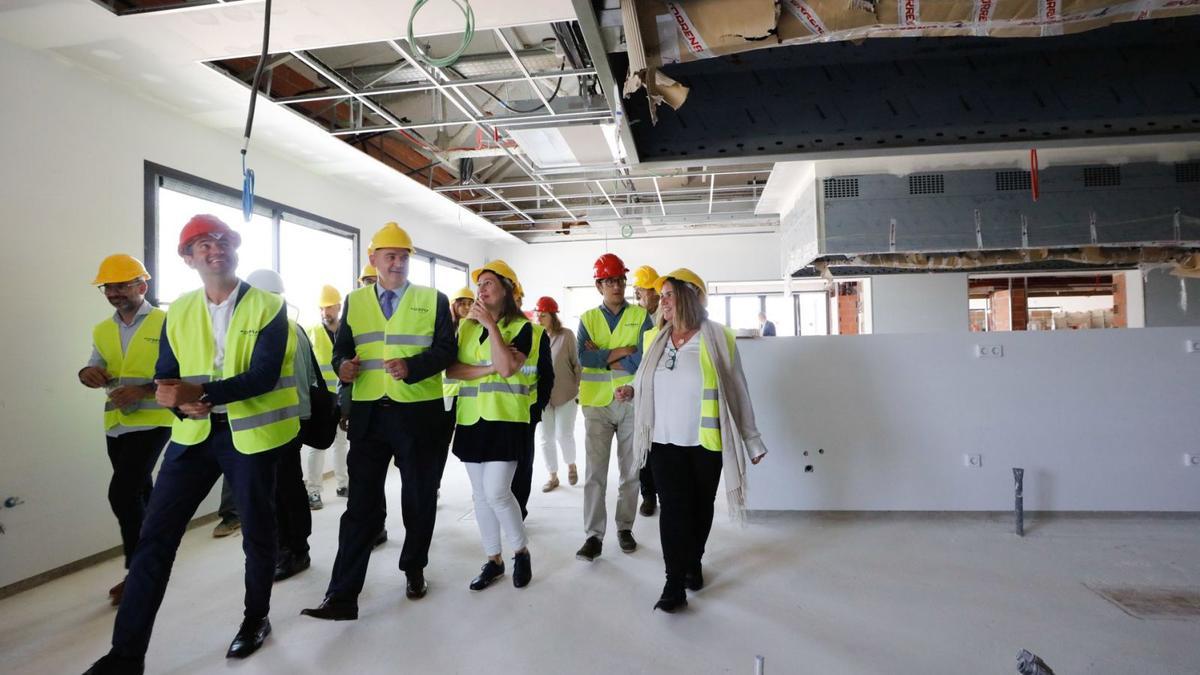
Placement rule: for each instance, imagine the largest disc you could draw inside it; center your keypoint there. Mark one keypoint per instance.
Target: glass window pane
(449, 278)
(779, 312)
(814, 311)
(309, 259)
(420, 271)
(743, 312)
(174, 210)
(716, 309)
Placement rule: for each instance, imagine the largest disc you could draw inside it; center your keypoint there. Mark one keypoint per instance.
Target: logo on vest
(251, 331)
(420, 310)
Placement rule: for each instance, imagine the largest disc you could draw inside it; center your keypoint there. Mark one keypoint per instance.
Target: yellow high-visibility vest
(259, 423)
(323, 350)
(409, 332)
(495, 398)
(710, 400)
(529, 372)
(597, 385)
(133, 367)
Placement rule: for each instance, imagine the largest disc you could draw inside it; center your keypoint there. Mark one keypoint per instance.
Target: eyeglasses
(119, 288)
(614, 281)
(672, 354)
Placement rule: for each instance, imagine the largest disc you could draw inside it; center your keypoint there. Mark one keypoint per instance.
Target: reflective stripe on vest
(323, 350)
(409, 332)
(259, 423)
(494, 398)
(133, 367)
(710, 403)
(597, 385)
(529, 373)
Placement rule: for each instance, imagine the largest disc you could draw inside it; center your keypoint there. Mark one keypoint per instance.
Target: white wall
(1099, 420)
(547, 269)
(70, 194)
(919, 303)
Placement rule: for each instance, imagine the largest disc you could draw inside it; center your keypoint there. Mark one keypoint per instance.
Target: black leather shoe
(671, 600)
(416, 588)
(590, 550)
(522, 570)
(626, 541)
(334, 609)
(115, 665)
(694, 580)
(249, 638)
(290, 565)
(380, 539)
(649, 506)
(490, 572)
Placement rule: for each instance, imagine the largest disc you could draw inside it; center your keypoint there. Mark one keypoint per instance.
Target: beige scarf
(740, 438)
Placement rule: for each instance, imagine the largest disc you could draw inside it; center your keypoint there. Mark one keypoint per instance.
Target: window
(449, 277)
(1045, 301)
(420, 269)
(308, 251)
(812, 312)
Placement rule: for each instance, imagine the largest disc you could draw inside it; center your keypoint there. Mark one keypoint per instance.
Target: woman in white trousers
(557, 429)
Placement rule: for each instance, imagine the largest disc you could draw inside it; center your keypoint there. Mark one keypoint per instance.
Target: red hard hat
(608, 266)
(547, 304)
(203, 224)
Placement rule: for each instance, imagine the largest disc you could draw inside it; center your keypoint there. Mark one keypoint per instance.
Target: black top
(489, 441)
(545, 381)
(420, 366)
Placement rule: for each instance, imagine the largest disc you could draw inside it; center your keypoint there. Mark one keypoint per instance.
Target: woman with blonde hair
(558, 419)
(693, 422)
(493, 415)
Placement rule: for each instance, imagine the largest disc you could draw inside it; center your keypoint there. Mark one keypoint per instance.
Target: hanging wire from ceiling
(450, 59)
(248, 174)
(557, 88)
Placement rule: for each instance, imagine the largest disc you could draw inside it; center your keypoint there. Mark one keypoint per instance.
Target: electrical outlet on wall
(973, 461)
(989, 351)
(1191, 459)
(1191, 346)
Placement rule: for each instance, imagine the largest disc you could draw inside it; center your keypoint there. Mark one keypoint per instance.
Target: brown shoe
(115, 593)
(550, 484)
(226, 527)
(572, 475)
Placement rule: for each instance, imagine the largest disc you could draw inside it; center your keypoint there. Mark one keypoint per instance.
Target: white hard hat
(266, 280)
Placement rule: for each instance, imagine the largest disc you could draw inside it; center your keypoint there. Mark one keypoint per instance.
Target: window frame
(152, 181)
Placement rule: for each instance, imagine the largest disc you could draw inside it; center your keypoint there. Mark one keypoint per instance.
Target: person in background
(694, 421)
(537, 376)
(460, 306)
(493, 416)
(124, 352)
(395, 340)
(292, 516)
(368, 275)
(224, 361)
(558, 419)
(647, 298)
(322, 336)
(609, 343)
(765, 328)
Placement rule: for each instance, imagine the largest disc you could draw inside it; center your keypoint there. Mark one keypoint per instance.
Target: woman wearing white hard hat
(693, 422)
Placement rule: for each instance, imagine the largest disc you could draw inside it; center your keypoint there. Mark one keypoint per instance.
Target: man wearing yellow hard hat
(646, 294)
(124, 353)
(329, 303)
(395, 340)
(368, 275)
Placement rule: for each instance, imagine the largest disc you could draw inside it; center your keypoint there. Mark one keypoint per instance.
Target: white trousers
(314, 474)
(557, 430)
(495, 506)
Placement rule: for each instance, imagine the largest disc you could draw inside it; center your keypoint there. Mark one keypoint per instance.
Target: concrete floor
(813, 594)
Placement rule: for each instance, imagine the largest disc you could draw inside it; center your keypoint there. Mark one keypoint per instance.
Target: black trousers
(292, 515)
(411, 439)
(133, 456)
(522, 482)
(649, 491)
(187, 475)
(687, 487)
(228, 509)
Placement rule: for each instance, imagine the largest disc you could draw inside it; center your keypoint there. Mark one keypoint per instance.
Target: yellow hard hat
(368, 270)
(390, 235)
(644, 277)
(684, 274)
(518, 293)
(463, 293)
(500, 268)
(118, 268)
(329, 296)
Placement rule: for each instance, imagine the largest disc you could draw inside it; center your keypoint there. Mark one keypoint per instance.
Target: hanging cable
(450, 59)
(248, 174)
(499, 100)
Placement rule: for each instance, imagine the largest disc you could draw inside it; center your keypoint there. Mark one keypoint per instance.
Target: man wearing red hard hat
(225, 370)
(610, 338)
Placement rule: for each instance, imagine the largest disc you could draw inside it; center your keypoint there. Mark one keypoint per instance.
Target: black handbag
(319, 430)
